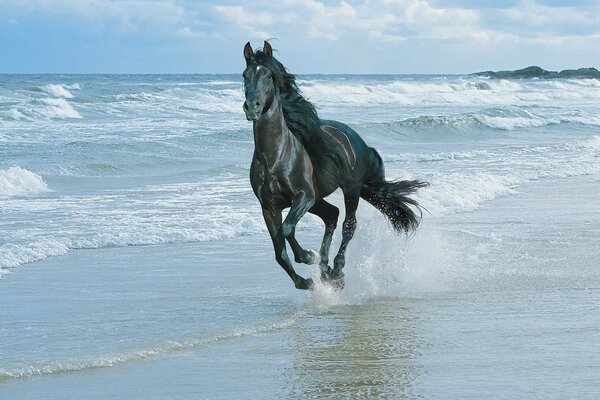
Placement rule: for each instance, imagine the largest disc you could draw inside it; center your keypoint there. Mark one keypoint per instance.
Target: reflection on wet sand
(355, 351)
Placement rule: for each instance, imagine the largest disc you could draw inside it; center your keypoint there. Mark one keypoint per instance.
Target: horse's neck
(271, 135)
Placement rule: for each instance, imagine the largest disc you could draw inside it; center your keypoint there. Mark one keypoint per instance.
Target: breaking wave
(462, 187)
(58, 90)
(169, 346)
(500, 119)
(448, 91)
(42, 109)
(17, 181)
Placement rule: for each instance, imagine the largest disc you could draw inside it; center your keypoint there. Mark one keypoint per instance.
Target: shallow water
(135, 263)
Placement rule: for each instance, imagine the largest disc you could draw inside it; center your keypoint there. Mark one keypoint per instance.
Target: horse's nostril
(257, 104)
(245, 106)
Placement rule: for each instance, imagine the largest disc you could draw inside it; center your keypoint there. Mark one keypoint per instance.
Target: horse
(300, 159)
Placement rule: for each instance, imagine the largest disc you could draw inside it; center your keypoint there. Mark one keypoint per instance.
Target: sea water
(134, 262)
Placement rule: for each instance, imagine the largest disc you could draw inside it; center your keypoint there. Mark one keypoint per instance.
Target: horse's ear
(248, 52)
(267, 49)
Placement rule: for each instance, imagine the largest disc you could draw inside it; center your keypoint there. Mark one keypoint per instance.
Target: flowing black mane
(300, 114)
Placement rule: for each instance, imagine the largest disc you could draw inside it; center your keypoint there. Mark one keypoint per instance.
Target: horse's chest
(267, 186)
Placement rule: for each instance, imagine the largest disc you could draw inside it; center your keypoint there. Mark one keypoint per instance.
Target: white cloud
(188, 33)
(441, 23)
(240, 16)
(126, 15)
(376, 29)
(386, 20)
(533, 13)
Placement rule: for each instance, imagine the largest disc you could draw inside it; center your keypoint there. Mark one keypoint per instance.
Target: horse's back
(357, 155)
(357, 142)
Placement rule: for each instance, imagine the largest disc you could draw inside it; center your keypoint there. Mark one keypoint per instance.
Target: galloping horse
(299, 159)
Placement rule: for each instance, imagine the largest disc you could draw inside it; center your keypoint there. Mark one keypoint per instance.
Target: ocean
(134, 262)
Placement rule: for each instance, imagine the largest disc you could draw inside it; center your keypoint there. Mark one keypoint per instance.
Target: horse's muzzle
(252, 113)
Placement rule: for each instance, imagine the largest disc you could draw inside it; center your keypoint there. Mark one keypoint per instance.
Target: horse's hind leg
(273, 222)
(329, 214)
(348, 228)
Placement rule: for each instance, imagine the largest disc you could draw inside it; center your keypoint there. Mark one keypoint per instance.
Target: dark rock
(540, 73)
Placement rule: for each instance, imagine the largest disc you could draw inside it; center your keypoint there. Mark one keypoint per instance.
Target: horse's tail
(391, 197)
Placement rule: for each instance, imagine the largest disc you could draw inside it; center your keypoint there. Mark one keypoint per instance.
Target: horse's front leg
(273, 222)
(301, 203)
(305, 256)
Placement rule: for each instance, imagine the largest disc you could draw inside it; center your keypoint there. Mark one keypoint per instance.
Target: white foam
(441, 156)
(518, 120)
(161, 218)
(460, 185)
(17, 181)
(450, 91)
(59, 108)
(59, 90)
(181, 99)
(457, 192)
(168, 346)
(14, 114)
(13, 255)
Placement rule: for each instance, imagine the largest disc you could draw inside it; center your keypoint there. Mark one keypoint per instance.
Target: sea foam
(58, 108)
(59, 90)
(459, 186)
(17, 181)
(168, 346)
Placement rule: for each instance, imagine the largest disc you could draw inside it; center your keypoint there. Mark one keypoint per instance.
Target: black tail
(391, 198)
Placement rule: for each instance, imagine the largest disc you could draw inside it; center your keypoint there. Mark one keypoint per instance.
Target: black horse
(299, 159)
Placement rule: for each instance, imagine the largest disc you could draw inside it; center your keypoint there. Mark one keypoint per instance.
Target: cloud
(390, 21)
(252, 22)
(125, 15)
(386, 20)
(188, 33)
(539, 15)
(433, 32)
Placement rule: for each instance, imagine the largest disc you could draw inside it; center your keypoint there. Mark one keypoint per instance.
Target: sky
(309, 36)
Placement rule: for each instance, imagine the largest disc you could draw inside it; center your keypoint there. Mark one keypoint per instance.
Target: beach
(134, 262)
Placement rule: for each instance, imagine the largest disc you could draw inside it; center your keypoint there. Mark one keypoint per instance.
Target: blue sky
(350, 36)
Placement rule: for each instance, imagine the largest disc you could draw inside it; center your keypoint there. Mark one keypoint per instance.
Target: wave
(113, 234)
(42, 109)
(461, 187)
(199, 212)
(17, 181)
(169, 346)
(451, 92)
(58, 90)
(224, 96)
(495, 118)
(180, 98)
(151, 215)
(59, 108)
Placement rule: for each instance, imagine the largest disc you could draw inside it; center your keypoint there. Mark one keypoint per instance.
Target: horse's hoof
(336, 281)
(312, 257)
(325, 274)
(305, 284)
(309, 257)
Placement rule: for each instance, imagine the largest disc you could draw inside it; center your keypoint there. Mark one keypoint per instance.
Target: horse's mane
(300, 114)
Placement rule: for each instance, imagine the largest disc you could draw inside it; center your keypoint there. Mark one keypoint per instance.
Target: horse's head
(259, 85)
